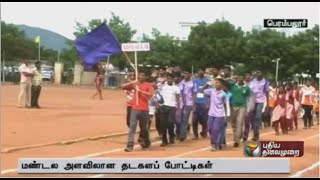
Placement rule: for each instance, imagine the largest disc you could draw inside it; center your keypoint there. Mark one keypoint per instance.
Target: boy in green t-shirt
(240, 93)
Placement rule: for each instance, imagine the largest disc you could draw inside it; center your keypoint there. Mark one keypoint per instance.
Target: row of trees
(15, 45)
(208, 45)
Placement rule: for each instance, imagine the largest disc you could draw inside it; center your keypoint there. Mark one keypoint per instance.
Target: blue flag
(97, 45)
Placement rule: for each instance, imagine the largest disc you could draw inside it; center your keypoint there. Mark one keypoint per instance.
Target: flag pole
(136, 74)
(128, 59)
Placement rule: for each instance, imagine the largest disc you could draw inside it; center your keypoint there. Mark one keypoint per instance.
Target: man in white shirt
(170, 94)
(26, 74)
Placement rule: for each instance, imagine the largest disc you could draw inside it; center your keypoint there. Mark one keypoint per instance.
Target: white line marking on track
(300, 173)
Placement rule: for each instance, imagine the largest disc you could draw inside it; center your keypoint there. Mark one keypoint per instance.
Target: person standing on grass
(170, 94)
(307, 97)
(217, 112)
(240, 93)
(140, 111)
(26, 74)
(36, 86)
(188, 90)
(200, 116)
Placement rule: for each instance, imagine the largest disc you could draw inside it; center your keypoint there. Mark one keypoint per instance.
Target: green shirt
(239, 94)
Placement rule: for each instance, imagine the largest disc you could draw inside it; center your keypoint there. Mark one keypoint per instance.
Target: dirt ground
(70, 113)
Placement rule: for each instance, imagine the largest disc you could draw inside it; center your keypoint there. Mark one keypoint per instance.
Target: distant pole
(39, 50)
(58, 55)
(4, 61)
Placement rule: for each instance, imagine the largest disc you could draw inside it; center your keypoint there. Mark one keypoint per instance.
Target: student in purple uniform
(260, 87)
(188, 91)
(217, 112)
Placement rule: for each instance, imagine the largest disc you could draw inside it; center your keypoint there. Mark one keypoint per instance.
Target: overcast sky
(60, 17)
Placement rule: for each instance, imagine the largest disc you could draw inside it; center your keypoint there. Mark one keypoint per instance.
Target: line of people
(215, 101)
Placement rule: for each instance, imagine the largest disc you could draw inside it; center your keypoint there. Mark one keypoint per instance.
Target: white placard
(153, 166)
(131, 47)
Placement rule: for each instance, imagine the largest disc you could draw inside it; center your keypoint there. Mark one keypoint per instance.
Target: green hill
(49, 39)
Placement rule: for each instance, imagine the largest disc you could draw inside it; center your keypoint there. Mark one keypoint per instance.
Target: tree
(163, 49)
(216, 44)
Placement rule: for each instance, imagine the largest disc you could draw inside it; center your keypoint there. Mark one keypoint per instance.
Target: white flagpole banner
(153, 165)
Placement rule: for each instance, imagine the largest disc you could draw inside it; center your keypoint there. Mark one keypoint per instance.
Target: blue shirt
(200, 83)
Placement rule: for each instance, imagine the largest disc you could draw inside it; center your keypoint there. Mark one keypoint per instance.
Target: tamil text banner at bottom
(154, 165)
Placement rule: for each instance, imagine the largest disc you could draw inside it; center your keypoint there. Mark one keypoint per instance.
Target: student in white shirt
(170, 94)
(26, 74)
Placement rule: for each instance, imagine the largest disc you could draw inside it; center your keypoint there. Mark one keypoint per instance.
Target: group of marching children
(288, 100)
(214, 99)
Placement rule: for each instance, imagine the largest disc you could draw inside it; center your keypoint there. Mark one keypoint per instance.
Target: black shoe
(235, 145)
(195, 139)
(182, 139)
(172, 141)
(143, 148)
(203, 135)
(128, 149)
(38, 107)
(163, 144)
(254, 139)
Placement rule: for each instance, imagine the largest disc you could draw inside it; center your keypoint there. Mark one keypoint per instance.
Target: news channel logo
(252, 149)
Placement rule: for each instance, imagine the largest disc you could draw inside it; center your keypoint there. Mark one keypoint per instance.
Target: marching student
(249, 119)
(129, 95)
(217, 112)
(260, 87)
(307, 97)
(188, 90)
(297, 105)
(279, 112)
(177, 81)
(240, 92)
(266, 116)
(171, 95)
(160, 83)
(289, 107)
(140, 111)
(200, 115)
(316, 103)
